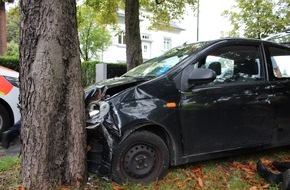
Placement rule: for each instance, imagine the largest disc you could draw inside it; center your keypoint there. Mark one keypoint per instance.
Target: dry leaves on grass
(250, 170)
(195, 175)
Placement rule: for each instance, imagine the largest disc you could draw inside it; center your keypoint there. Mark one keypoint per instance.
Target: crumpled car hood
(113, 86)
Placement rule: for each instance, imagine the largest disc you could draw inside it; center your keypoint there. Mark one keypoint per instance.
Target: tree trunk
(3, 37)
(133, 40)
(51, 96)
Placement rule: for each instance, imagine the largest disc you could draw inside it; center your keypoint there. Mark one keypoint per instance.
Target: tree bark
(3, 36)
(51, 96)
(133, 39)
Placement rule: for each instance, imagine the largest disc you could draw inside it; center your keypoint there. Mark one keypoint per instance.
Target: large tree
(258, 18)
(133, 39)
(163, 11)
(51, 96)
(3, 38)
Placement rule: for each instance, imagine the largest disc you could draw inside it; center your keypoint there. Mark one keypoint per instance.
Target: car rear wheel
(5, 120)
(142, 158)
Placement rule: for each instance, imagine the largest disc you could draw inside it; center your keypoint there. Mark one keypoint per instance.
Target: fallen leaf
(20, 188)
(180, 184)
(253, 188)
(119, 188)
(200, 182)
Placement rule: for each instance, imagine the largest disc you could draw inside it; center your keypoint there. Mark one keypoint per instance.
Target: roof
(175, 26)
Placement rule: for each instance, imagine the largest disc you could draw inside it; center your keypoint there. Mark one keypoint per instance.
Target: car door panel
(233, 111)
(226, 118)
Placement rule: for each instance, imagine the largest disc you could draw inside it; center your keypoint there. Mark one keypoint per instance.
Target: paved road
(13, 150)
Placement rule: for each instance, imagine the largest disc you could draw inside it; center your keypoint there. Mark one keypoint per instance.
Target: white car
(9, 98)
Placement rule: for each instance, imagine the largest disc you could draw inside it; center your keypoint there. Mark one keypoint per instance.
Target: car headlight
(97, 110)
(13, 80)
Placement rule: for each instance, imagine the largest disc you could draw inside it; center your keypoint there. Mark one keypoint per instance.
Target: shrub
(88, 72)
(116, 70)
(10, 62)
(88, 69)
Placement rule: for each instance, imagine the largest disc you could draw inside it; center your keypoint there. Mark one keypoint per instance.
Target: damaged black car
(195, 102)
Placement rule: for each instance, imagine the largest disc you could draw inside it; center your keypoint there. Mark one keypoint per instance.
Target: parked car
(9, 93)
(195, 102)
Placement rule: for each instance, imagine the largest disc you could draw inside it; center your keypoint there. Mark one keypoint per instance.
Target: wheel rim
(139, 161)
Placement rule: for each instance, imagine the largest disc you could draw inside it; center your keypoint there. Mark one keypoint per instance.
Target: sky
(211, 23)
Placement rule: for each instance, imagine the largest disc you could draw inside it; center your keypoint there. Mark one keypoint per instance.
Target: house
(154, 42)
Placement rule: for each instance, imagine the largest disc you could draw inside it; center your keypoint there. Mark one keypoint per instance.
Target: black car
(195, 102)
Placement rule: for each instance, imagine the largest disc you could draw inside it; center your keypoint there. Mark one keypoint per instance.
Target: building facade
(154, 42)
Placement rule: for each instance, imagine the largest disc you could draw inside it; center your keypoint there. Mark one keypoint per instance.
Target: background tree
(51, 96)
(257, 18)
(132, 33)
(13, 24)
(162, 14)
(3, 38)
(94, 38)
(284, 11)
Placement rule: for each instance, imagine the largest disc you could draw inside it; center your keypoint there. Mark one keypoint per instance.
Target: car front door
(233, 111)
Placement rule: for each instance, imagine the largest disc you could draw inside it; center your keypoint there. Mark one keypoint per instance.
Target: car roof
(239, 39)
(255, 40)
(8, 72)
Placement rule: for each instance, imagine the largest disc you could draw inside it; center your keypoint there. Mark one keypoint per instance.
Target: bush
(10, 62)
(88, 69)
(116, 70)
(88, 72)
(13, 49)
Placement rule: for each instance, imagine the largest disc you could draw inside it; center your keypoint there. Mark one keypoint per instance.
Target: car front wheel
(5, 121)
(141, 158)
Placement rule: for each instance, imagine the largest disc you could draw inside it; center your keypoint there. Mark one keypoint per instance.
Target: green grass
(233, 173)
(9, 172)
(7, 162)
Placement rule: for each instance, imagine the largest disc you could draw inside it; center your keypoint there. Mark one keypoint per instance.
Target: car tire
(5, 120)
(141, 158)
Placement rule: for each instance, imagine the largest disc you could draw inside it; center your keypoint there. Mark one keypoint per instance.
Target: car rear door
(278, 59)
(232, 112)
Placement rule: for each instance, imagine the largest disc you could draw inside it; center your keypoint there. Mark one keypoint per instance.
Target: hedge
(88, 69)
(10, 62)
(116, 70)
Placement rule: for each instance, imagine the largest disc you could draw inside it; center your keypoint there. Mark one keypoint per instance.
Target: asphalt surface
(13, 150)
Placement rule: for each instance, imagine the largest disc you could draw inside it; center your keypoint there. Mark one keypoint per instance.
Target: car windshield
(160, 65)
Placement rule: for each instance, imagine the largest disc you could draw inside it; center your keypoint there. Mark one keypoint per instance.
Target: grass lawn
(234, 173)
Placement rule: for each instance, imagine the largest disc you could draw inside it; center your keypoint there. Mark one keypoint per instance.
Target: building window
(145, 48)
(167, 43)
(121, 38)
(146, 36)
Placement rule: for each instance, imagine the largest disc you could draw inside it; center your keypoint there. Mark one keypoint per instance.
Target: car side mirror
(201, 76)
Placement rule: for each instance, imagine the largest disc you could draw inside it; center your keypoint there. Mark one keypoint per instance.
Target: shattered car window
(160, 65)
